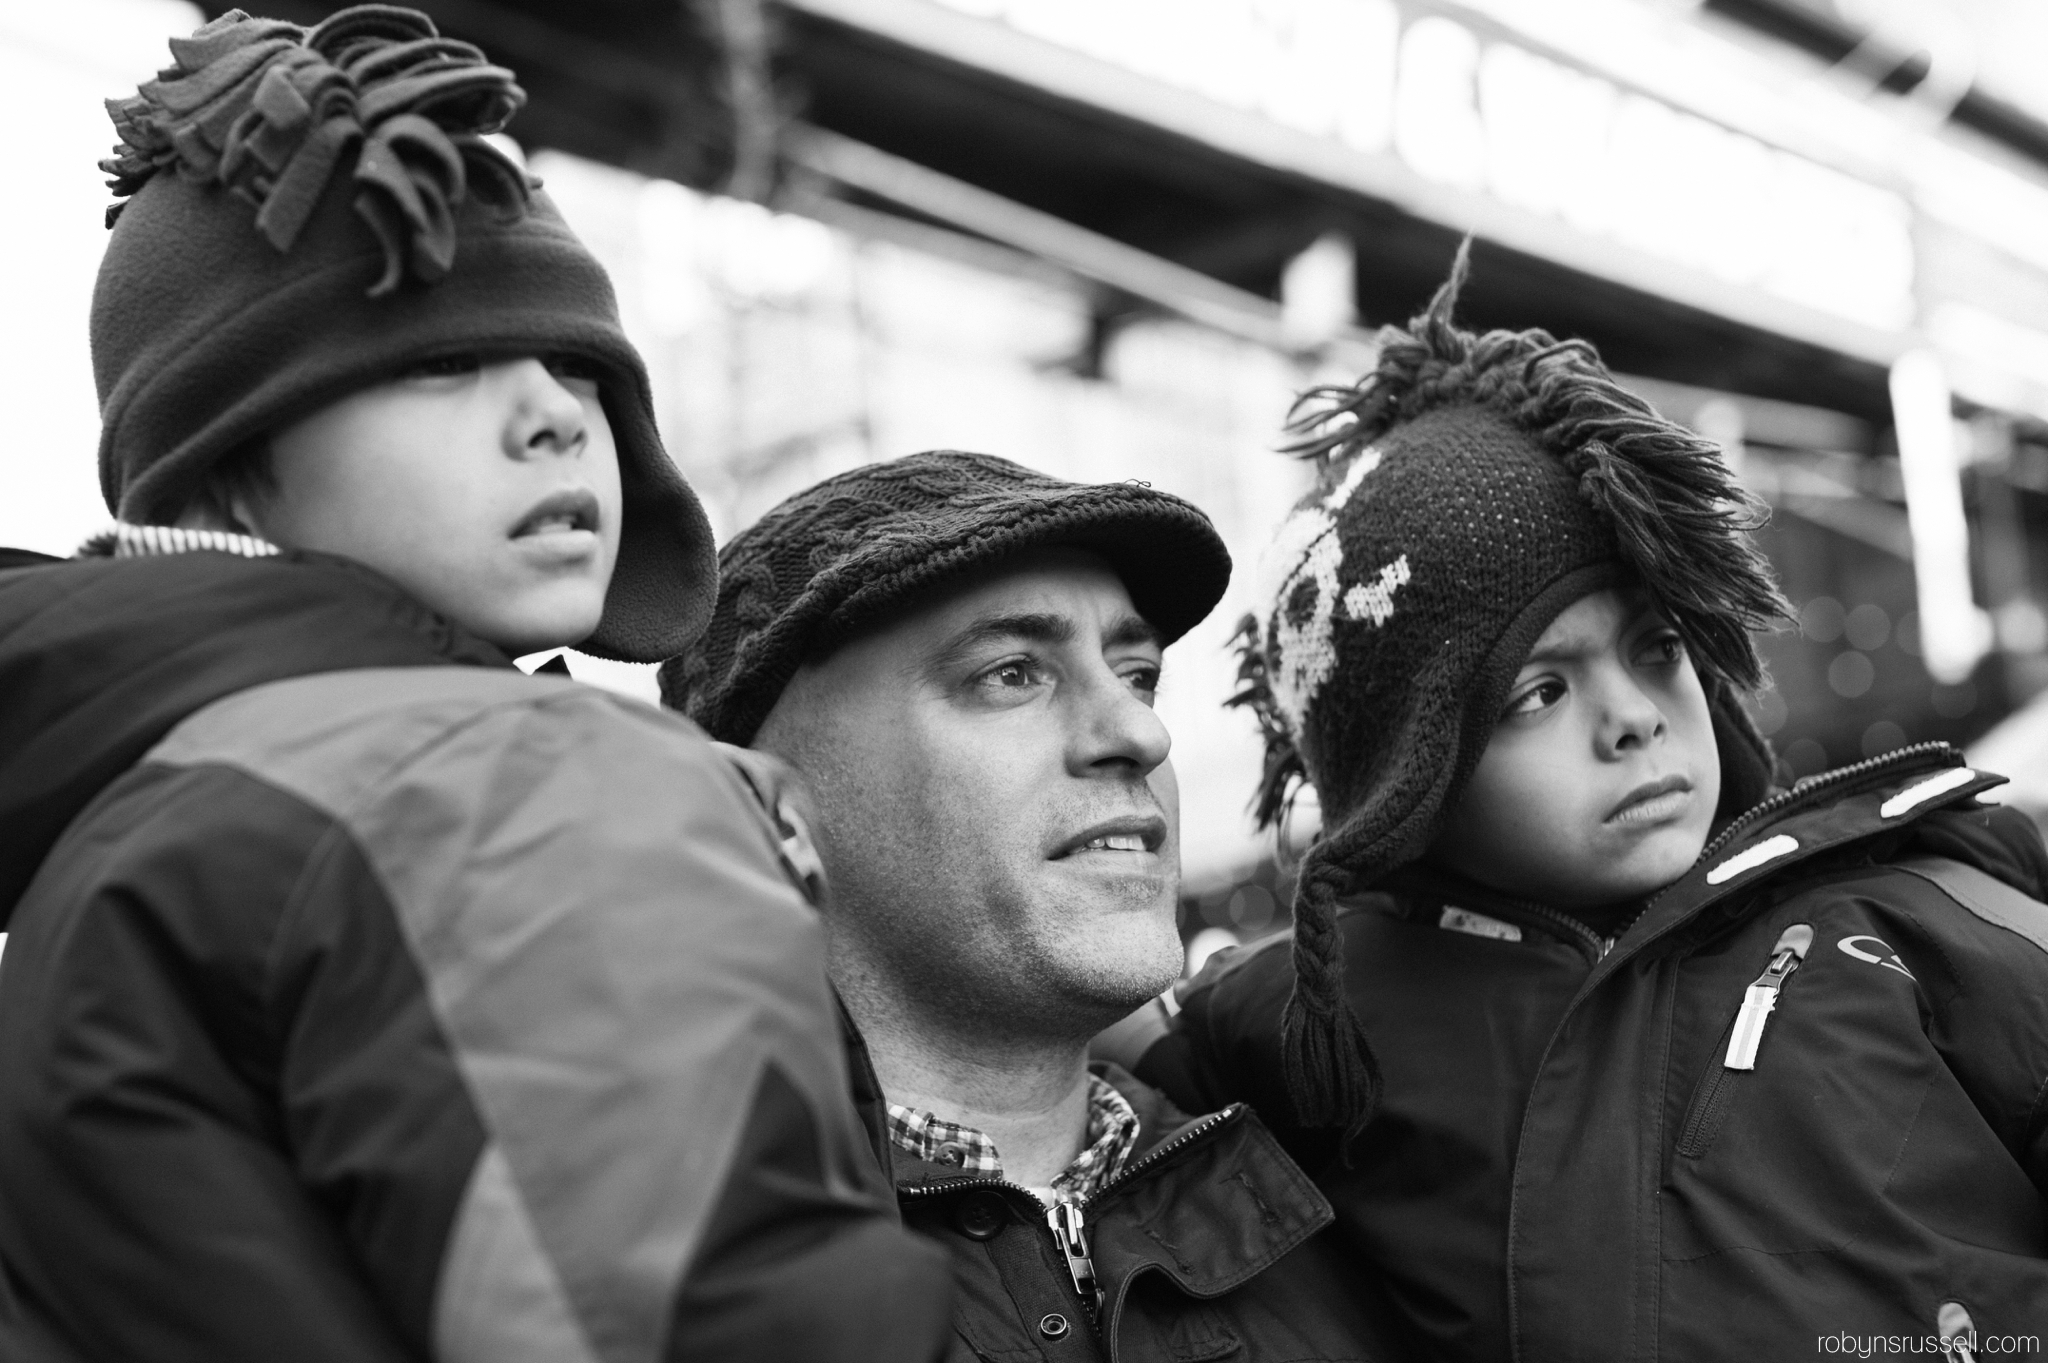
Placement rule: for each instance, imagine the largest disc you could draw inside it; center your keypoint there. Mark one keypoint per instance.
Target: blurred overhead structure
(1761, 207)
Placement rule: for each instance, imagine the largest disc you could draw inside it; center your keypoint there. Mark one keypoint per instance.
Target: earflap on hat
(1469, 489)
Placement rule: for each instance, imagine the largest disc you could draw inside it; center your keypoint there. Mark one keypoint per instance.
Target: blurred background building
(1115, 238)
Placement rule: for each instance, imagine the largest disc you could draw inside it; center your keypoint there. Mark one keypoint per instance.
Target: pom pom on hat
(269, 110)
(305, 214)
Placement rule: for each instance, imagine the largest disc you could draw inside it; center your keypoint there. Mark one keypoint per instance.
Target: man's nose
(543, 416)
(1116, 730)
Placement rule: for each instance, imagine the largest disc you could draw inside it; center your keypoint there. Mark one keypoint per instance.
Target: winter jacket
(369, 1000)
(1205, 1246)
(1567, 1166)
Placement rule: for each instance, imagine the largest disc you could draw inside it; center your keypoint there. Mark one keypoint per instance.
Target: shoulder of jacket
(1831, 812)
(333, 737)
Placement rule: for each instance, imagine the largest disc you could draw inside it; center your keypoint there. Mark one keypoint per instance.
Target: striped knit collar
(145, 541)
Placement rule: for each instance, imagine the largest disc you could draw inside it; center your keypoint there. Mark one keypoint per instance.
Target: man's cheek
(1165, 786)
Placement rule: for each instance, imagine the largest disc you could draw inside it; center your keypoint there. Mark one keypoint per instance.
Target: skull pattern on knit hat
(1469, 490)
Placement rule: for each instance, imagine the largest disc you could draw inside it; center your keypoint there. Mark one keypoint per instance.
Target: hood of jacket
(100, 658)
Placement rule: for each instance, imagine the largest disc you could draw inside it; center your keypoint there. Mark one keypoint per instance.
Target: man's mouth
(1653, 801)
(560, 513)
(1130, 833)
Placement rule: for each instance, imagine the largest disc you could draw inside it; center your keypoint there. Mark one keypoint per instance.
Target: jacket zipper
(1744, 1034)
(1958, 1331)
(1068, 1221)
(1762, 996)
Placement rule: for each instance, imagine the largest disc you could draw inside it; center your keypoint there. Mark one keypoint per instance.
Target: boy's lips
(1652, 801)
(560, 513)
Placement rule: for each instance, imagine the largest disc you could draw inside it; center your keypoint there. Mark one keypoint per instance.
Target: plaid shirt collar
(1112, 1135)
(143, 541)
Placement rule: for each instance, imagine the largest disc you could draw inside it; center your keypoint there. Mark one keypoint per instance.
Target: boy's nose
(1632, 720)
(546, 417)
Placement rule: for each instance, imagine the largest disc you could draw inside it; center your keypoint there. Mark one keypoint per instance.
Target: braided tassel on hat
(1469, 489)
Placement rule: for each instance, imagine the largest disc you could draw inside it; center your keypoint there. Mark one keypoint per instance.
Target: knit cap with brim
(310, 212)
(1469, 490)
(856, 549)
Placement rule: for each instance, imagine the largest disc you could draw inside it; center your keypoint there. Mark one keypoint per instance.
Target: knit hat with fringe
(1469, 490)
(309, 212)
(846, 554)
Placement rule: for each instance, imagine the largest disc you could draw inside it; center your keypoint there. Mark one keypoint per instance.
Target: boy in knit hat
(365, 998)
(1602, 1048)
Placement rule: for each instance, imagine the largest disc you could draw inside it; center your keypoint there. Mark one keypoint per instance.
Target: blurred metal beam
(1176, 288)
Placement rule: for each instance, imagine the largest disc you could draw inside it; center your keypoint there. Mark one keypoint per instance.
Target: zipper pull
(1071, 1233)
(1763, 996)
(1958, 1331)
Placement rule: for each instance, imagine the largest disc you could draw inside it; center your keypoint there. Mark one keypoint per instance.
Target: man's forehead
(1048, 593)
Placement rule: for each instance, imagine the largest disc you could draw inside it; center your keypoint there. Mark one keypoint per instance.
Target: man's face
(997, 815)
(1602, 777)
(489, 490)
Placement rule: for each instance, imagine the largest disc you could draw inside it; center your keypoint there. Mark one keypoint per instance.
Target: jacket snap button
(1054, 1326)
(953, 1153)
(979, 1216)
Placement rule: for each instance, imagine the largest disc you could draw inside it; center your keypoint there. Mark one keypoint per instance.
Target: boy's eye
(443, 367)
(1143, 679)
(575, 370)
(1535, 699)
(1661, 649)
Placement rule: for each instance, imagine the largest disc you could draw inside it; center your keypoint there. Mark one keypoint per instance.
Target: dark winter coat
(1564, 1166)
(1206, 1246)
(369, 1000)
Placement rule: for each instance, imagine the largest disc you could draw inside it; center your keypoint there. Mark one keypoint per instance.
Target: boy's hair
(308, 212)
(1469, 489)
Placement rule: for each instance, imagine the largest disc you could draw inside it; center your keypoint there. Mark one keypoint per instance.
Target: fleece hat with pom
(306, 213)
(1469, 489)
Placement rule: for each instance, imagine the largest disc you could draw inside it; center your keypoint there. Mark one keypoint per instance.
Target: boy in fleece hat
(365, 998)
(1601, 1047)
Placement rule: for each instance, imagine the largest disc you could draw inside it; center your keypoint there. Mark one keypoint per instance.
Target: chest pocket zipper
(1745, 1035)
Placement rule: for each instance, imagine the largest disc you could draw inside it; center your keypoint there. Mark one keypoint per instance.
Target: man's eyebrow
(1126, 630)
(1037, 627)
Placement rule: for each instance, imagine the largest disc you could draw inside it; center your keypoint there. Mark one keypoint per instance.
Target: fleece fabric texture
(206, 336)
(843, 555)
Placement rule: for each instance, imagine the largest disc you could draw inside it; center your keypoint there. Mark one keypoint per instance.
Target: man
(960, 656)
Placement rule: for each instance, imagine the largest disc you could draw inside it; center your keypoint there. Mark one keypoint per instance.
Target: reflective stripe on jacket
(1566, 1165)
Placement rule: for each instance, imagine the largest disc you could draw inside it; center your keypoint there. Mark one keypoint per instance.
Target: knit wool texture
(853, 550)
(259, 271)
(1469, 490)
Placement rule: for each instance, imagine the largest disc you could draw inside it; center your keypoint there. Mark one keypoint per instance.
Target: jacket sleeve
(547, 1063)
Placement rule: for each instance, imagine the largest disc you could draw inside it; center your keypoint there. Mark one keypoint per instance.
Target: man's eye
(1143, 680)
(1535, 700)
(1012, 676)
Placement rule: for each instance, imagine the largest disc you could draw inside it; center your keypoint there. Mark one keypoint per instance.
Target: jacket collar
(1820, 815)
(1883, 796)
(1161, 1212)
